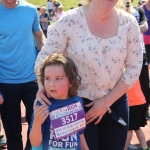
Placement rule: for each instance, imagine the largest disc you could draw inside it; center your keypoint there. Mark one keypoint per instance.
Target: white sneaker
(132, 147)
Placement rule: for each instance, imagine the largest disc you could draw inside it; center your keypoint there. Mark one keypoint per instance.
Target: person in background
(54, 12)
(105, 43)
(71, 7)
(49, 7)
(60, 78)
(39, 13)
(137, 111)
(60, 12)
(146, 8)
(38, 10)
(58, 4)
(138, 13)
(141, 3)
(20, 34)
(79, 5)
(44, 20)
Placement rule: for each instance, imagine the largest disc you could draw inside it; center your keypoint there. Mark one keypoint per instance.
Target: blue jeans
(11, 111)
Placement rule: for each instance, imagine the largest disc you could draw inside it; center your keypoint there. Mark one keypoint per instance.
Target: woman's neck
(99, 14)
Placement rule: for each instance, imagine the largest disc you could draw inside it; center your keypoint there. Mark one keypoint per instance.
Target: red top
(135, 95)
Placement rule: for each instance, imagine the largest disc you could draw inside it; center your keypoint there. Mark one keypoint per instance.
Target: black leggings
(108, 134)
(144, 80)
(147, 47)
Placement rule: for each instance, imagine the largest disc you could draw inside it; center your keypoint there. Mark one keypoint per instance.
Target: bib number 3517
(68, 119)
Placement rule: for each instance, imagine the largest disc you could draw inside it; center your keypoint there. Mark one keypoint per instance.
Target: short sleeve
(142, 15)
(36, 26)
(81, 132)
(57, 38)
(134, 57)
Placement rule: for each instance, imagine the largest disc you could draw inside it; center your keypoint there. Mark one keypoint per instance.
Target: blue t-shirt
(17, 49)
(48, 142)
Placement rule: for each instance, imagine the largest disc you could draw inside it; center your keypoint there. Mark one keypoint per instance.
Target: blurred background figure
(79, 5)
(58, 4)
(38, 10)
(141, 2)
(60, 12)
(139, 106)
(54, 12)
(146, 35)
(44, 20)
(49, 7)
(71, 7)
(146, 8)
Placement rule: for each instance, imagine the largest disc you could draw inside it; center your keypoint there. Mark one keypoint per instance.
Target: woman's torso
(100, 61)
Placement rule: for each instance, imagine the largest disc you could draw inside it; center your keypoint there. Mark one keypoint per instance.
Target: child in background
(2, 140)
(60, 12)
(44, 20)
(60, 78)
(137, 115)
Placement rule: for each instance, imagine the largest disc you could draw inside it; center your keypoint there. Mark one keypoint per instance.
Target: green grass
(135, 2)
(66, 3)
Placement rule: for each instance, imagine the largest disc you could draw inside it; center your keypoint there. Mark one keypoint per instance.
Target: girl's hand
(97, 111)
(40, 96)
(40, 113)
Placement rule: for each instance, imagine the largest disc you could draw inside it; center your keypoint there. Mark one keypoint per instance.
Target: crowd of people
(83, 75)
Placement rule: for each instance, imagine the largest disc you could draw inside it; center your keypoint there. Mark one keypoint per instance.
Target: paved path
(134, 141)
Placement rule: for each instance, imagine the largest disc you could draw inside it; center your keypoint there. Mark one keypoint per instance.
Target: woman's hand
(97, 111)
(40, 113)
(40, 96)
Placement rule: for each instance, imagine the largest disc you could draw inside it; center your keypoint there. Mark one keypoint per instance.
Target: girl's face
(56, 82)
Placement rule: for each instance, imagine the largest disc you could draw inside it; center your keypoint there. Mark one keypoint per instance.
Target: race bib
(67, 120)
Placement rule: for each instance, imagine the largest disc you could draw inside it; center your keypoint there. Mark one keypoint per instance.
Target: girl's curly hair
(69, 67)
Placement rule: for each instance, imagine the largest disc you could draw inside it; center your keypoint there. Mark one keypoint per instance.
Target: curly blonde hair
(69, 67)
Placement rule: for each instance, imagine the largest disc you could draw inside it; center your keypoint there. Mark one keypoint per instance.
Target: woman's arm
(100, 106)
(84, 145)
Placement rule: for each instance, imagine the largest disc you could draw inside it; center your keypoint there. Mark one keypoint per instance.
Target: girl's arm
(83, 142)
(36, 135)
(40, 115)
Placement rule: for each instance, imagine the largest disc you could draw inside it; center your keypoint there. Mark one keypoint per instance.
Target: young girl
(60, 78)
